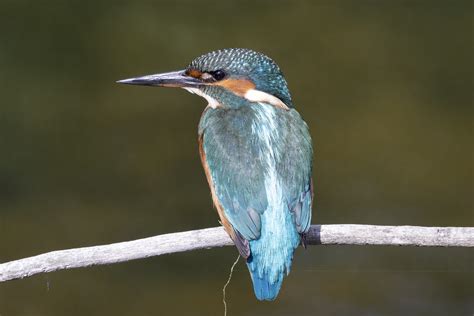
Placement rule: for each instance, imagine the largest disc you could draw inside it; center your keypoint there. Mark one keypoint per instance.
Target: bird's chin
(213, 103)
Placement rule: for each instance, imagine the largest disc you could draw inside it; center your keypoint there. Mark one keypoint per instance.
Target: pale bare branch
(347, 234)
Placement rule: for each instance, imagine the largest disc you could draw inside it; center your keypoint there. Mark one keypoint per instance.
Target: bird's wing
(235, 174)
(301, 209)
(295, 168)
(240, 241)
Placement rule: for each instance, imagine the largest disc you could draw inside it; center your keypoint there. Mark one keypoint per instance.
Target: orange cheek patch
(237, 86)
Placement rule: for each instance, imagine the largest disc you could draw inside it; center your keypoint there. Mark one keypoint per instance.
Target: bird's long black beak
(169, 79)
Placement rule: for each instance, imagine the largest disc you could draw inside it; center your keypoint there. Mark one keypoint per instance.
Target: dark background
(385, 86)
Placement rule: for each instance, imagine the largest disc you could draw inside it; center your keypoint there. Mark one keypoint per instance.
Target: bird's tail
(272, 253)
(265, 289)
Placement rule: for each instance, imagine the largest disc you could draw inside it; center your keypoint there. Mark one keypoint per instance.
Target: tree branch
(348, 234)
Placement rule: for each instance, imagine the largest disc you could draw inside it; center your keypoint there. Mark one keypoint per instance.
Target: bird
(257, 154)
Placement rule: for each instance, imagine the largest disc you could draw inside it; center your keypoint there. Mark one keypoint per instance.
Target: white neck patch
(263, 97)
(213, 103)
(252, 95)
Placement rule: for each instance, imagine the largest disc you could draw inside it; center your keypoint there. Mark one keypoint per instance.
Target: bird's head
(227, 77)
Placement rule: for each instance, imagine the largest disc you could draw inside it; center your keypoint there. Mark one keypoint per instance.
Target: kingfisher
(257, 156)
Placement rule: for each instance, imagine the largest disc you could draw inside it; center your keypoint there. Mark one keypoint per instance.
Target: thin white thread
(227, 283)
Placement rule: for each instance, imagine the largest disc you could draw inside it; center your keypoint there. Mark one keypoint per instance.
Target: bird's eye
(218, 74)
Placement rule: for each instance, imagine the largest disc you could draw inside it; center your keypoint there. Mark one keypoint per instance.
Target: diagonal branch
(347, 234)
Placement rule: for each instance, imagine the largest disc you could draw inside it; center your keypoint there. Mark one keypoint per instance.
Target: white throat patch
(213, 103)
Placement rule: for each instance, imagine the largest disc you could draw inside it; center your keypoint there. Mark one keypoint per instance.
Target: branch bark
(348, 234)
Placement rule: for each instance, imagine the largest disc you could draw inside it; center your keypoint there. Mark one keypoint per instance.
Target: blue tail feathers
(264, 288)
(272, 253)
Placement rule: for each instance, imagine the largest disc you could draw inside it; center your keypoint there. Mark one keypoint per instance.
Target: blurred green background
(385, 86)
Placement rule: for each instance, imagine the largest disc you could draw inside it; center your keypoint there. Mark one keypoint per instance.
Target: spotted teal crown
(246, 63)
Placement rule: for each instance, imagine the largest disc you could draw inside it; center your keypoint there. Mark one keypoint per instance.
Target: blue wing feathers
(301, 209)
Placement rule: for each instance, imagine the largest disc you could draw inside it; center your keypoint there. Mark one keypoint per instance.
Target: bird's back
(259, 162)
